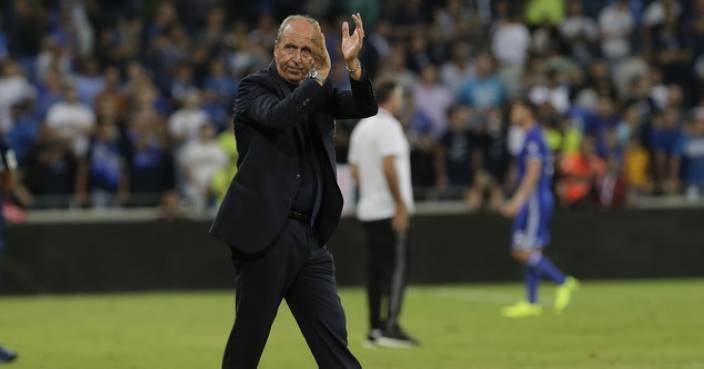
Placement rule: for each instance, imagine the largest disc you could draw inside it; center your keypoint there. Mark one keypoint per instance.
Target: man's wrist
(353, 65)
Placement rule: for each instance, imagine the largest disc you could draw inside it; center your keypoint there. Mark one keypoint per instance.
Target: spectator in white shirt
(553, 92)
(185, 124)
(72, 121)
(53, 56)
(656, 12)
(14, 89)
(510, 42)
(200, 160)
(616, 25)
(579, 32)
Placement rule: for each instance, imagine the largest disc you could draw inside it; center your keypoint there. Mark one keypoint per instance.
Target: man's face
(484, 65)
(293, 52)
(518, 114)
(395, 104)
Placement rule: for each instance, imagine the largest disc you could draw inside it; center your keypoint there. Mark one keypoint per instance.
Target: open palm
(352, 44)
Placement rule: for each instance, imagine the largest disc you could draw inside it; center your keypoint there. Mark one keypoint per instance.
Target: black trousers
(387, 255)
(298, 269)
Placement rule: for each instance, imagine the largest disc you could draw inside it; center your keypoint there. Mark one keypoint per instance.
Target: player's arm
(526, 187)
(400, 219)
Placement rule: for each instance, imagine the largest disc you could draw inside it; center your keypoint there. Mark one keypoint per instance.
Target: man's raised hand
(321, 56)
(352, 44)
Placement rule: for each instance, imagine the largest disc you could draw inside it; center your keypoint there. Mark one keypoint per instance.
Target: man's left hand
(352, 44)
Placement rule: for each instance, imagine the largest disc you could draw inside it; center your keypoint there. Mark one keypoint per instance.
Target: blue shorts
(531, 227)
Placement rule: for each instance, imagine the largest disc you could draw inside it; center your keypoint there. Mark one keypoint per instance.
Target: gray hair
(288, 19)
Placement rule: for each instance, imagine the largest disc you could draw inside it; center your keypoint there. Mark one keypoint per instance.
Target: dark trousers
(387, 254)
(297, 269)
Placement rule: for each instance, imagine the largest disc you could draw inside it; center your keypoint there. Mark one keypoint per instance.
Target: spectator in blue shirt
(221, 83)
(217, 112)
(150, 163)
(664, 137)
(106, 168)
(689, 156)
(598, 124)
(3, 46)
(49, 92)
(485, 91)
(89, 81)
(25, 130)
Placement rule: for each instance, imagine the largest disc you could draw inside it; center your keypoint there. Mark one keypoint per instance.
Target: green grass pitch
(615, 325)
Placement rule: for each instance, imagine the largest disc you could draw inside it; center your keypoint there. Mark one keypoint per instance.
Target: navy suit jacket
(266, 114)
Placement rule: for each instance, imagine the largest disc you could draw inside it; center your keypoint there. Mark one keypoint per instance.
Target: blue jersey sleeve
(534, 149)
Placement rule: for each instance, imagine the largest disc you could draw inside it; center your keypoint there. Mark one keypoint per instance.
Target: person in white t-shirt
(380, 162)
(656, 12)
(616, 24)
(200, 160)
(185, 124)
(14, 89)
(510, 41)
(72, 121)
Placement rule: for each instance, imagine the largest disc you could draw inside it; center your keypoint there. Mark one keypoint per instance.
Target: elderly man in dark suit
(284, 203)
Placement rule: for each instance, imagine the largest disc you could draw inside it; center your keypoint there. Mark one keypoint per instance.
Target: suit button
(298, 176)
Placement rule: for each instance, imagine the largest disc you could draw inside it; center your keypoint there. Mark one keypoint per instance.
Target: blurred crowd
(127, 103)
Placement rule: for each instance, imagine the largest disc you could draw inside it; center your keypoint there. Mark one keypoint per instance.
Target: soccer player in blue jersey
(8, 164)
(531, 208)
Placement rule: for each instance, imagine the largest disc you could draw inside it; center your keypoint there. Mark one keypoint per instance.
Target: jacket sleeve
(264, 109)
(357, 103)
